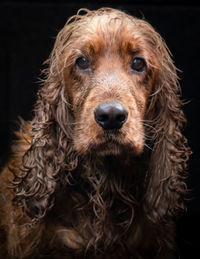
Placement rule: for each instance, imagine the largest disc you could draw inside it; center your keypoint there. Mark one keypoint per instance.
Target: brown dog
(99, 171)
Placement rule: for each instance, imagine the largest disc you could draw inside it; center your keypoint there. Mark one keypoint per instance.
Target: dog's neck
(124, 170)
(103, 191)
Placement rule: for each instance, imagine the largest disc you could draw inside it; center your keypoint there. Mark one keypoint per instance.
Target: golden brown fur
(74, 190)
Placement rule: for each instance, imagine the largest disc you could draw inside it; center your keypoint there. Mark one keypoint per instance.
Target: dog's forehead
(107, 24)
(110, 29)
(102, 32)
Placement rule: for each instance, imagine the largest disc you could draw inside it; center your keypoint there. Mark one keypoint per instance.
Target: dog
(99, 172)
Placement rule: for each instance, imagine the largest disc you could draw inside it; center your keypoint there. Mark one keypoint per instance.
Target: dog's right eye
(82, 63)
(138, 65)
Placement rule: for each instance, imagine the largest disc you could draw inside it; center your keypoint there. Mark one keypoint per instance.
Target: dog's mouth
(112, 142)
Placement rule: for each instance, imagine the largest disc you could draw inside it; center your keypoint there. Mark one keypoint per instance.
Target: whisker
(146, 145)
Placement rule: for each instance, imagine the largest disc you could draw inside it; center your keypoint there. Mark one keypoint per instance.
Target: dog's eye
(138, 64)
(82, 63)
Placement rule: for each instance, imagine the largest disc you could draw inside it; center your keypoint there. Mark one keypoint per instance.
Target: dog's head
(112, 65)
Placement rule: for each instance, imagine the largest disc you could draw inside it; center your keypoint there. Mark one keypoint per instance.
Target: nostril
(103, 117)
(121, 117)
(110, 115)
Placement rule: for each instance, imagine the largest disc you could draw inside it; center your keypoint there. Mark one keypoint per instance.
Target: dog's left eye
(82, 63)
(138, 64)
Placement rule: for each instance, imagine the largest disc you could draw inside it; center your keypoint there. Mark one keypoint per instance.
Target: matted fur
(71, 190)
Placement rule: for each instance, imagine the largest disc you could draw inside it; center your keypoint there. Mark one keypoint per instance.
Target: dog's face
(109, 75)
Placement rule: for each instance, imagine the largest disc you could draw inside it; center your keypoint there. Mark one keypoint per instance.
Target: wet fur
(71, 190)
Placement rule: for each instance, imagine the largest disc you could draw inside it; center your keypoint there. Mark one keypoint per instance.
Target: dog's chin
(114, 148)
(106, 148)
(110, 143)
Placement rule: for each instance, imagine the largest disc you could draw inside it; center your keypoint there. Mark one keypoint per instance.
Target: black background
(27, 33)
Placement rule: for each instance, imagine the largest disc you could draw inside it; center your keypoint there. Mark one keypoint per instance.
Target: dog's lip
(111, 136)
(113, 142)
(109, 143)
(111, 132)
(104, 144)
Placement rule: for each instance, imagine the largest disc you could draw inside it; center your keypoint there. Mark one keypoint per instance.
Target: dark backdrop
(27, 33)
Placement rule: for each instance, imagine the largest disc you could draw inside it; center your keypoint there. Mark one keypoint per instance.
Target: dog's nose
(111, 116)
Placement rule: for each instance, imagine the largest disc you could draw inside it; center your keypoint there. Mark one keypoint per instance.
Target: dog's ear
(50, 154)
(167, 170)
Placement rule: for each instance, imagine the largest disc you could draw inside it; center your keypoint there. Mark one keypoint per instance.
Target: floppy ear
(51, 151)
(170, 152)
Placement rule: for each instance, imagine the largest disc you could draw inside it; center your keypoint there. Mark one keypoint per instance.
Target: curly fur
(60, 198)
